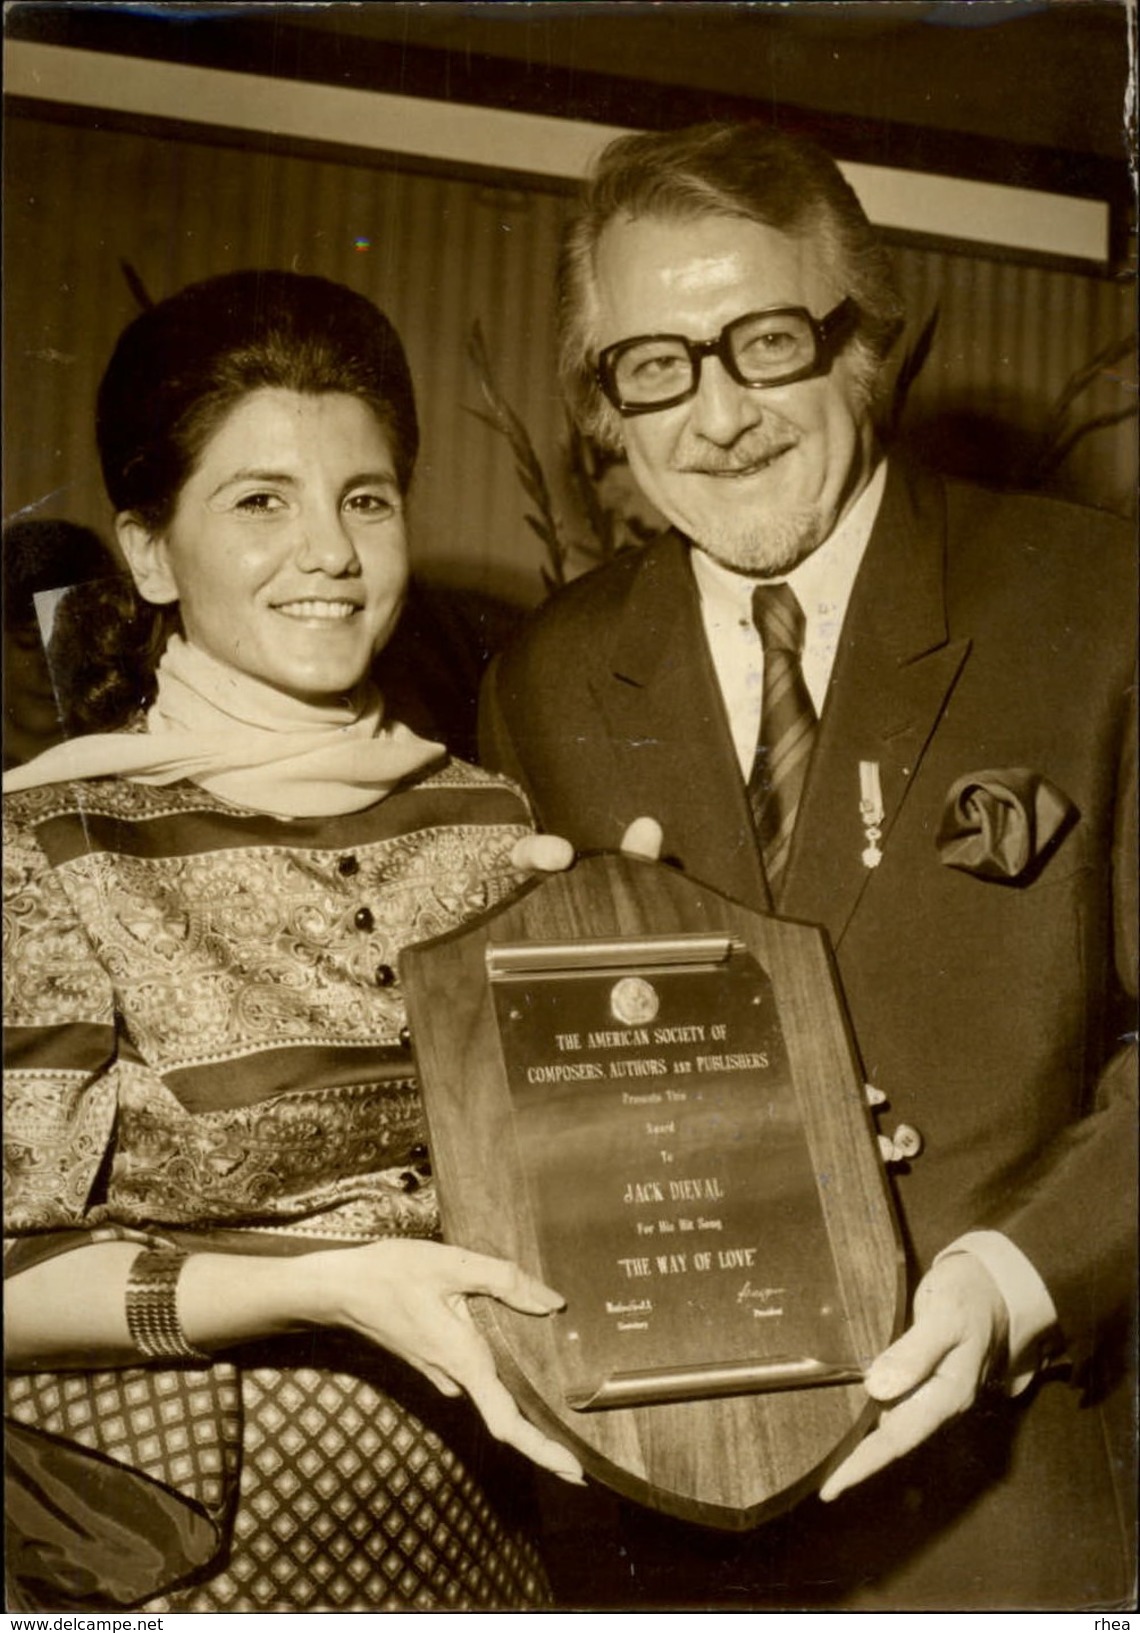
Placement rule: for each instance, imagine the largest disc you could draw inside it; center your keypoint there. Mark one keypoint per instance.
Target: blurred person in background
(40, 555)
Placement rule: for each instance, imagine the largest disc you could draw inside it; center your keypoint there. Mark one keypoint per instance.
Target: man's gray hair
(751, 171)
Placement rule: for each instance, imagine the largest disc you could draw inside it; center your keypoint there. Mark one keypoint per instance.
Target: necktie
(787, 727)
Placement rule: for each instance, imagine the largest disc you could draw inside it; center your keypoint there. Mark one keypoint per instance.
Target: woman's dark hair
(177, 371)
(183, 364)
(104, 651)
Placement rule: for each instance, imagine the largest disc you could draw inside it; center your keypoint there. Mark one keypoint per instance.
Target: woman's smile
(320, 611)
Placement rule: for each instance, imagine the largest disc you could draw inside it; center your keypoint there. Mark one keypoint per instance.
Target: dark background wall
(442, 248)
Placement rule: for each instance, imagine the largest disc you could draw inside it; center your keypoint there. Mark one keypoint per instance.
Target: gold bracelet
(152, 1307)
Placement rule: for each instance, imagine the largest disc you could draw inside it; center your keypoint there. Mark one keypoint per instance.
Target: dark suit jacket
(986, 632)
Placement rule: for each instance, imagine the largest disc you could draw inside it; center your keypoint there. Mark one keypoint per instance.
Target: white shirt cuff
(1032, 1313)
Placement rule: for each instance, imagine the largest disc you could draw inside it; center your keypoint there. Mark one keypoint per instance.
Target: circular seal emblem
(633, 1001)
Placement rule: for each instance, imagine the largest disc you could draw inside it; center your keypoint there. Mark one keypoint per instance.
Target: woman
(238, 1360)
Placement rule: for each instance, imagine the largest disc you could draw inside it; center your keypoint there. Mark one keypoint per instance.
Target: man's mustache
(735, 461)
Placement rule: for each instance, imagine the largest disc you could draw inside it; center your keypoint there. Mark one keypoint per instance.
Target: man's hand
(935, 1370)
(547, 853)
(643, 838)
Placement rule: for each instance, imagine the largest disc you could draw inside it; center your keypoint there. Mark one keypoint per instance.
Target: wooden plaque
(647, 1096)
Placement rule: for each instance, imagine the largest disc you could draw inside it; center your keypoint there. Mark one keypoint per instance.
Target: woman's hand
(410, 1297)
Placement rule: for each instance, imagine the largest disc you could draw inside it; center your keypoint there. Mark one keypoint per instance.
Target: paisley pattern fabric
(222, 954)
(195, 975)
(206, 1045)
(336, 1160)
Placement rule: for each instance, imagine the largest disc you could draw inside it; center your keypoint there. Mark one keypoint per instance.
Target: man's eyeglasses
(770, 348)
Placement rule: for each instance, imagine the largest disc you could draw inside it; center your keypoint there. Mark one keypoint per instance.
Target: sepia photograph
(570, 834)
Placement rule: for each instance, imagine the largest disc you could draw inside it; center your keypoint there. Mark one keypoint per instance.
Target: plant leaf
(501, 417)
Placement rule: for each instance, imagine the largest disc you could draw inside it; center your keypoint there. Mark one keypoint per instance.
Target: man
(899, 709)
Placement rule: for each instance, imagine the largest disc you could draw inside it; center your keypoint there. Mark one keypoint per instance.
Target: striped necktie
(787, 727)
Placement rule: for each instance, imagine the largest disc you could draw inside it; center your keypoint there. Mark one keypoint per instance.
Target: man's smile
(737, 470)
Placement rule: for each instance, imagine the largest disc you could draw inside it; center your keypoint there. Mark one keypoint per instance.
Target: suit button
(385, 975)
(363, 919)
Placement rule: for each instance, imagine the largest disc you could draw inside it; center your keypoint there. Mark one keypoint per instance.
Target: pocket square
(1002, 824)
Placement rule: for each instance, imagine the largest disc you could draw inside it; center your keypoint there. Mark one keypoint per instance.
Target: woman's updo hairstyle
(182, 365)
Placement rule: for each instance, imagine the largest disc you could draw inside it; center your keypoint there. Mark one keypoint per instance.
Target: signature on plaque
(762, 1299)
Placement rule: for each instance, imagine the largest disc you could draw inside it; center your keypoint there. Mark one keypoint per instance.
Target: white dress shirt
(823, 583)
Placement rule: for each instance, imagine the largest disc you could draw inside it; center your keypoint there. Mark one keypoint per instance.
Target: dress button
(418, 1153)
(347, 866)
(409, 1182)
(363, 919)
(385, 975)
(405, 1036)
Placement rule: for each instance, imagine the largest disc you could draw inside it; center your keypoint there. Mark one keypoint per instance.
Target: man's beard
(766, 546)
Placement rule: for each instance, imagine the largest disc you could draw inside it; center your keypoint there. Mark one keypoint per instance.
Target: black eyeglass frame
(828, 332)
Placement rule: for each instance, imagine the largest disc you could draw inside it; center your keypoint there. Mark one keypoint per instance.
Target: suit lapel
(658, 693)
(893, 674)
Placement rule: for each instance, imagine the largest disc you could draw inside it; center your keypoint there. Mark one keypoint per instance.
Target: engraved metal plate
(667, 1170)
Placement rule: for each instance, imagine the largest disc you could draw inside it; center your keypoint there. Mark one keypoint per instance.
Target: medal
(871, 811)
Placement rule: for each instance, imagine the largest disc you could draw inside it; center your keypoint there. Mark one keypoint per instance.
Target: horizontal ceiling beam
(931, 205)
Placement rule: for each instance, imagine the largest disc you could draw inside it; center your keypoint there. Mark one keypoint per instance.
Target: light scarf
(246, 742)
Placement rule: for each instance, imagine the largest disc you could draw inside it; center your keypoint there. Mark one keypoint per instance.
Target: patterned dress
(207, 1047)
